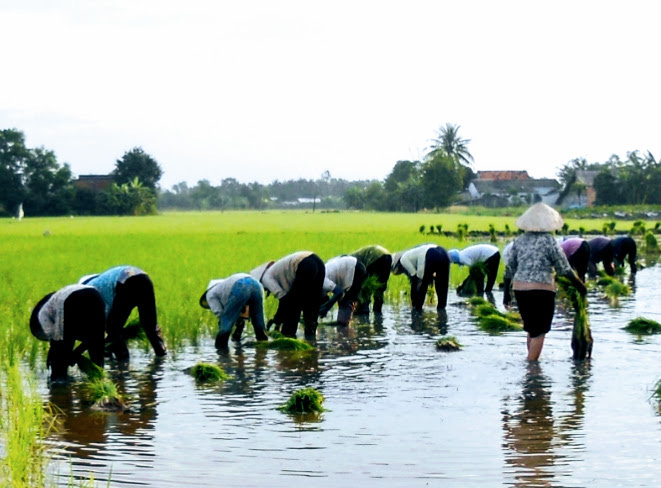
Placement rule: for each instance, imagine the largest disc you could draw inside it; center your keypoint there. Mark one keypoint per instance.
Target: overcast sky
(266, 90)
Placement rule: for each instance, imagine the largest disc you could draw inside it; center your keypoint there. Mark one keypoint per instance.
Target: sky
(278, 90)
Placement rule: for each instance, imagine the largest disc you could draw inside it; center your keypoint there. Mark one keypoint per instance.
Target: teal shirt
(106, 282)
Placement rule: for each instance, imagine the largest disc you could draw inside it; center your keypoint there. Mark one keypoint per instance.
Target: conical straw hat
(540, 218)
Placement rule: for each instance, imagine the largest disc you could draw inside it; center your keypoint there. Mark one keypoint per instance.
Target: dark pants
(603, 255)
(136, 291)
(303, 296)
(348, 301)
(381, 269)
(437, 269)
(84, 321)
(536, 308)
(580, 259)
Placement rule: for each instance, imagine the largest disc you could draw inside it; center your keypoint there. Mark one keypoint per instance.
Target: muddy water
(400, 413)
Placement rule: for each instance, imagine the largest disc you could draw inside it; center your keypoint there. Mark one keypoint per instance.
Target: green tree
(131, 198)
(13, 157)
(441, 181)
(48, 186)
(138, 164)
(449, 143)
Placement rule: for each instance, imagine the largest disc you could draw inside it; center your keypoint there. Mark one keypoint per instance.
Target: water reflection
(433, 323)
(529, 431)
(535, 437)
(88, 433)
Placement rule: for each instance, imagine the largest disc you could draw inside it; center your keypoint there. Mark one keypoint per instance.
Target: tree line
(32, 179)
(635, 180)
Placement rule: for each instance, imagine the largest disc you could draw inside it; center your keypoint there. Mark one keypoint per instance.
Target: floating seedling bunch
(208, 373)
(492, 320)
(102, 395)
(304, 401)
(643, 326)
(448, 344)
(613, 288)
(282, 343)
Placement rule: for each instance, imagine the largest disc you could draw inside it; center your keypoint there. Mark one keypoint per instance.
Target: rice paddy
(181, 252)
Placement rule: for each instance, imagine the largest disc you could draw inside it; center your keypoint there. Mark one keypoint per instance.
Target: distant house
(95, 183)
(580, 191)
(503, 188)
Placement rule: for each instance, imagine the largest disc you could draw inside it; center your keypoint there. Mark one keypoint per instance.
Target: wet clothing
(74, 313)
(228, 297)
(377, 261)
(297, 281)
(625, 248)
(344, 278)
(424, 264)
(123, 288)
(601, 251)
(480, 253)
(577, 251)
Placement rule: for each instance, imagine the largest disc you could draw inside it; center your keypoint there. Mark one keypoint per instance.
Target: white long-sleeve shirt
(476, 254)
(340, 272)
(413, 260)
(51, 315)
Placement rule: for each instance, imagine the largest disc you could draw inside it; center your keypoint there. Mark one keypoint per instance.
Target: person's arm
(326, 306)
(408, 264)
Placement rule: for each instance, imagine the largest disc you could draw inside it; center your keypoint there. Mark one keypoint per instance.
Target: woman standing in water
(530, 265)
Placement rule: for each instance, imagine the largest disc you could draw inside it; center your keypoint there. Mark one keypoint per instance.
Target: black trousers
(437, 270)
(303, 297)
(84, 321)
(136, 291)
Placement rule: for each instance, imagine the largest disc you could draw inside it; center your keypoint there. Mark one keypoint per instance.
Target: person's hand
(323, 310)
(581, 288)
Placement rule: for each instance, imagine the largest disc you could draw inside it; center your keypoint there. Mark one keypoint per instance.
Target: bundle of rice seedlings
(370, 285)
(102, 394)
(651, 243)
(657, 390)
(613, 288)
(282, 343)
(474, 284)
(448, 343)
(581, 338)
(89, 368)
(485, 309)
(305, 400)
(497, 322)
(643, 326)
(475, 301)
(208, 373)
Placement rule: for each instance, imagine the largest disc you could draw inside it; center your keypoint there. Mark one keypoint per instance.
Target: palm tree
(449, 143)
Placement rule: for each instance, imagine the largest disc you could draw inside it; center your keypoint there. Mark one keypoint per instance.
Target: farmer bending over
(487, 254)
(123, 288)
(296, 281)
(232, 300)
(577, 251)
(377, 261)
(424, 264)
(601, 251)
(73, 313)
(344, 279)
(624, 247)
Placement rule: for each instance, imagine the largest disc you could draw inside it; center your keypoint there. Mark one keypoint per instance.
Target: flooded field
(400, 413)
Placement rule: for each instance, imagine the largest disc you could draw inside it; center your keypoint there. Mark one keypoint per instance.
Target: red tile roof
(503, 175)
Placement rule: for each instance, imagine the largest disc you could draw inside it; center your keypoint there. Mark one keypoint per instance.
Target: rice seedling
(89, 368)
(208, 373)
(643, 326)
(492, 320)
(475, 301)
(651, 243)
(282, 343)
(448, 343)
(474, 284)
(613, 288)
(496, 323)
(305, 400)
(581, 339)
(369, 287)
(102, 394)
